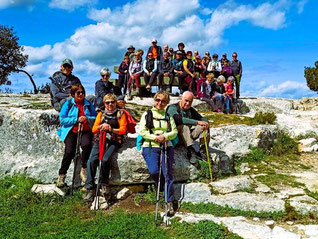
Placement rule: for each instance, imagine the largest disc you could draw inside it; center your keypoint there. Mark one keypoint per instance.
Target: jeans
(70, 148)
(152, 157)
(93, 163)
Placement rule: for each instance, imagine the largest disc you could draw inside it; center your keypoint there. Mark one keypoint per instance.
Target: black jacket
(61, 85)
(159, 52)
(165, 66)
(101, 89)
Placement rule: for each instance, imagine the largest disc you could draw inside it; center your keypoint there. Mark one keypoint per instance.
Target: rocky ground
(29, 144)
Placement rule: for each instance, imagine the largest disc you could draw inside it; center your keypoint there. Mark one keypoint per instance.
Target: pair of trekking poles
(163, 152)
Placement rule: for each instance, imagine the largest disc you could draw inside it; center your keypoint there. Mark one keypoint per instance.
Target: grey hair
(105, 71)
(231, 78)
(220, 78)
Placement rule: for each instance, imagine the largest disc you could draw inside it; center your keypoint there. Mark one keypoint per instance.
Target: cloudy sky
(273, 39)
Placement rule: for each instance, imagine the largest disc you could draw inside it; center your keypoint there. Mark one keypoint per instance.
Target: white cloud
(301, 5)
(16, 3)
(38, 54)
(70, 4)
(287, 89)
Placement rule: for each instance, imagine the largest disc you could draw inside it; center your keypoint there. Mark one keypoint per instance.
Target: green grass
(217, 119)
(279, 180)
(27, 215)
(222, 211)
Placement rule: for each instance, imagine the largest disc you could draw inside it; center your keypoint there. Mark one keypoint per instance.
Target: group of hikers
(213, 80)
(101, 129)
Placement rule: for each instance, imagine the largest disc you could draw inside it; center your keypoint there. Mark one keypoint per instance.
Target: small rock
(306, 145)
(103, 204)
(47, 189)
(304, 204)
(290, 223)
(311, 231)
(262, 188)
(123, 194)
(256, 219)
(270, 223)
(244, 168)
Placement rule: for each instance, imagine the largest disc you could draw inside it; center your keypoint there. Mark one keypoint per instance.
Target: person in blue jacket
(74, 111)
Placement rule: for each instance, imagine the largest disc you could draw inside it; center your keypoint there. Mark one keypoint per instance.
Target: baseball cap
(67, 61)
(154, 40)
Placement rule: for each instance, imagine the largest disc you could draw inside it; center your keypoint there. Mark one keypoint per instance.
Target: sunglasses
(105, 76)
(67, 66)
(162, 101)
(79, 92)
(234, 56)
(109, 102)
(150, 55)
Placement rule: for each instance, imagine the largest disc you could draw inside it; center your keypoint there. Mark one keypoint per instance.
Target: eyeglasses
(105, 76)
(188, 101)
(79, 92)
(162, 101)
(109, 102)
(67, 66)
(150, 55)
(234, 56)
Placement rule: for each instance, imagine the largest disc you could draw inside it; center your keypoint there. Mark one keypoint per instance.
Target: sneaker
(89, 196)
(106, 192)
(171, 210)
(83, 174)
(129, 97)
(148, 87)
(61, 181)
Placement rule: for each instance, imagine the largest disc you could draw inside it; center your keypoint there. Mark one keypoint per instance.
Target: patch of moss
(38, 106)
(278, 180)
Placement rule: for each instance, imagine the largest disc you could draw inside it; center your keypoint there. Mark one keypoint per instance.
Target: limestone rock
(192, 192)
(47, 189)
(123, 194)
(311, 231)
(289, 192)
(306, 104)
(232, 184)
(308, 145)
(310, 179)
(262, 188)
(304, 204)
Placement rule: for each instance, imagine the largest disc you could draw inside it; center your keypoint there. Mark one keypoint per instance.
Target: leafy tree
(311, 74)
(12, 58)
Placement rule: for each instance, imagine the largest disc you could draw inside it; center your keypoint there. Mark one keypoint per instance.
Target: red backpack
(131, 123)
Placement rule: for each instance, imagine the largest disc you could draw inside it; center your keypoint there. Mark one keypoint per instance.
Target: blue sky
(273, 39)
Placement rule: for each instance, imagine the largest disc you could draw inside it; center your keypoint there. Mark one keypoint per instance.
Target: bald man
(190, 124)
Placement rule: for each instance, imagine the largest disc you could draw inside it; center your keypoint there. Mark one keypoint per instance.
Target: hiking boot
(89, 196)
(138, 91)
(106, 191)
(61, 181)
(83, 174)
(129, 97)
(171, 210)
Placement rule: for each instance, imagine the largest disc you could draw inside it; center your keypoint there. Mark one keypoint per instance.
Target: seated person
(135, 71)
(190, 124)
(61, 83)
(230, 92)
(165, 70)
(178, 69)
(123, 75)
(206, 89)
(215, 66)
(114, 123)
(199, 69)
(226, 69)
(218, 94)
(103, 87)
(150, 70)
(223, 58)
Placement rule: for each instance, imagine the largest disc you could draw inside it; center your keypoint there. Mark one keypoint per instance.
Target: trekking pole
(207, 154)
(158, 190)
(102, 139)
(125, 83)
(77, 153)
(166, 184)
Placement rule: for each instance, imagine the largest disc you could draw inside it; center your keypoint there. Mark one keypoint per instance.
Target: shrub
(255, 155)
(264, 118)
(284, 144)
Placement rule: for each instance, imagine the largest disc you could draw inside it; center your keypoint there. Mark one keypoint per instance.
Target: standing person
(123, 75)
(74, 111)
(114, 122)
(135, 71)
(61, 83)
(150, 70)
(215, 66)
(181, 49)
(188, 72)
(164, 130)
(190, 124)
(165, 48)
(130, 52)
(223, 58)
(103, 87)
(155, 50)
(237, 70)
(165, 70)
(195, 54)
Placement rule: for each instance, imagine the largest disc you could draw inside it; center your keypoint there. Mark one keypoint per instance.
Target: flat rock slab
(290, 192)
(47, 189)
(310, 179)
(232, 184)
(192, 192)
(304, 204)
(311, 231)
(241, 226)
